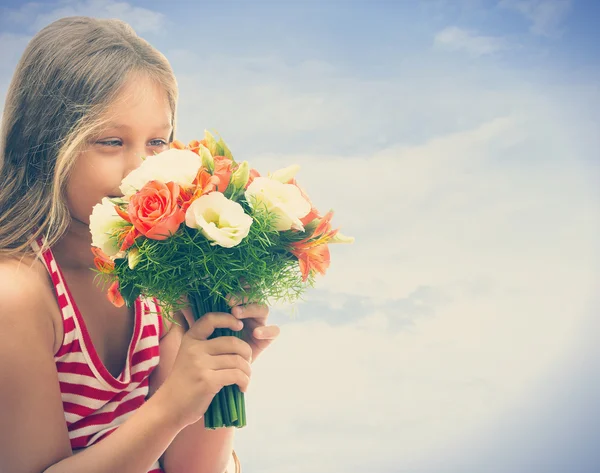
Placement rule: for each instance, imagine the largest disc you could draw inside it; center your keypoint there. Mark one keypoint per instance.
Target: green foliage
(260, 268)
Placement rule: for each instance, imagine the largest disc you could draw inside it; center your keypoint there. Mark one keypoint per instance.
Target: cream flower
(104, 221)
(220, 220)
(283, 200)
(174, 165)
(285, 175)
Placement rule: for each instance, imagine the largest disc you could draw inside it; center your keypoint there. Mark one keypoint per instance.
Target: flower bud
(133, 257)
(285, 175)
(239, 177)
(207, 160)
(211, 143)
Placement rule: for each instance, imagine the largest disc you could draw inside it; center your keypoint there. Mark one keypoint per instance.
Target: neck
(73, 250)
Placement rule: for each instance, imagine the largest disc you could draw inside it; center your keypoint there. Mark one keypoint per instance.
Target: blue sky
(457, 140)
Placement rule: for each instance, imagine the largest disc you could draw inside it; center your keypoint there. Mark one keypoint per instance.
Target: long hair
(66, 79)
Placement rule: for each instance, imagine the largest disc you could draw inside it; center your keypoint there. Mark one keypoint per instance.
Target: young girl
(89, 99)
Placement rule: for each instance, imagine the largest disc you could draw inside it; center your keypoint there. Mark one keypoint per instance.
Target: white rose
(103, 223)
(219, 219)
(283, 200)
(176, 165)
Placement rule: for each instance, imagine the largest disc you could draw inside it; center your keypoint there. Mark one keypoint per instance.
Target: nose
(135, 157)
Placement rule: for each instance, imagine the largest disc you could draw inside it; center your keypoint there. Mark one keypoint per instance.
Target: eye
(158, 143)
(110, 143)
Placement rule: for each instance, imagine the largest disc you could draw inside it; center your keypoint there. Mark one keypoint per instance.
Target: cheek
(90, 181)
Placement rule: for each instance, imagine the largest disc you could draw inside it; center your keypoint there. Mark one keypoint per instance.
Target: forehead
(140, 100)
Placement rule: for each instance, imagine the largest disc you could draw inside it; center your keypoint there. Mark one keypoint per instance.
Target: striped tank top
(95, 402)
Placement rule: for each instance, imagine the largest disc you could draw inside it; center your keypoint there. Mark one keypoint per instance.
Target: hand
(255, 332)
(202, 367)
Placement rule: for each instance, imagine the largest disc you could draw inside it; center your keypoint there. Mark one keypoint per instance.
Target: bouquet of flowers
(195, 224)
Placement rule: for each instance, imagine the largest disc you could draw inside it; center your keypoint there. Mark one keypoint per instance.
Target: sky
(457, 142)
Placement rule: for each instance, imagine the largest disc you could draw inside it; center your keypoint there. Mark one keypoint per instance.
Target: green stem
(227, 408)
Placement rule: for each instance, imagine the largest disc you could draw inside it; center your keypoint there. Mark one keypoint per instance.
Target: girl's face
(140, 126)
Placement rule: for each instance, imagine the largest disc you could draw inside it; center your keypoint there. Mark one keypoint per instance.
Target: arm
(194, 449)
(33, 432)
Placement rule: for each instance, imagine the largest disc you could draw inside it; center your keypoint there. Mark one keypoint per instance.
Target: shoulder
(26, 297)
(30, 392)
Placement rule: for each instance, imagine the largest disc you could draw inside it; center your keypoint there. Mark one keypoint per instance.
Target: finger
(253, 311)
(232, 376)
(206, 325)
(229, 345)
(267, 332)
(236, 299)
(225, 362)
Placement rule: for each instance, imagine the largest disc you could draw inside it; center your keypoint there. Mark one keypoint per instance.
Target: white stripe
(149, 341)
(60, 289)
(151, 306)
(72, 418)
(84, 401)
(73, 357)
(144, 365)
(53, 266)
(112, 406)
(89, 381)
(69, 312)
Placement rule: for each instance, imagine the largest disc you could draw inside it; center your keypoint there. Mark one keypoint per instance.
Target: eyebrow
(165, 126)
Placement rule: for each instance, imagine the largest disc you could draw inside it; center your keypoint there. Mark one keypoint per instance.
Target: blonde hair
(66, 79)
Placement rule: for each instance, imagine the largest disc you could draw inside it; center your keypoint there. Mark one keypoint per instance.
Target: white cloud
(462, 213)
(458, 39)
(467, 182)
(546, 16)
(37, 15)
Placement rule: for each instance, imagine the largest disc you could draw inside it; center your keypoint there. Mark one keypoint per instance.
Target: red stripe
(83, 410)
(63, 302)
(144, 355)
(78, 409)
(74, 367)
(138, 377)
(148, 331)
(79, 442)
(86, 391)
(73, 347)
(69, 324)
(105, 418)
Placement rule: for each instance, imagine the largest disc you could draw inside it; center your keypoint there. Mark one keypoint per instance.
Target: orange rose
(154, 212)
(223, 169)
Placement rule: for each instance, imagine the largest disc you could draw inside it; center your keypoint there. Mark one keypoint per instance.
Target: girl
(89, 99)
